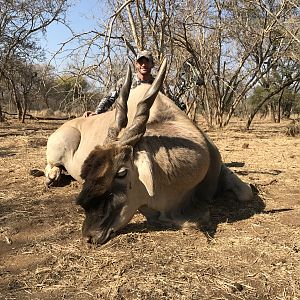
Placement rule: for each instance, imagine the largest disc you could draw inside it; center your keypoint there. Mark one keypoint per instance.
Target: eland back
(145, 155)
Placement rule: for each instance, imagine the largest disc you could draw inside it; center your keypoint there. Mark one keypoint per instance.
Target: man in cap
(143, 66)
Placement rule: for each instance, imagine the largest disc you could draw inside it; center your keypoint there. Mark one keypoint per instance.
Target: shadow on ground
(6, 152)
(228, 210)
(224, 209)
(64, 180)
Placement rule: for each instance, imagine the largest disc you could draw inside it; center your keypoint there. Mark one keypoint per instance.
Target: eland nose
(92, 237)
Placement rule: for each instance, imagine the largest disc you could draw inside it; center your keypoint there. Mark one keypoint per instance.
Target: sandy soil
(254, 254)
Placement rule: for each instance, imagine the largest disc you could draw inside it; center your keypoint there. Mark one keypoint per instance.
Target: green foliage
(71, 86)
(66, 90)
(290, 100)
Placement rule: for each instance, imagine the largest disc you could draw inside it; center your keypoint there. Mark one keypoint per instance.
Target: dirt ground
(254, 252)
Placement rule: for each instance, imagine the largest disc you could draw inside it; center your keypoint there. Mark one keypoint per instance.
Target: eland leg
(230, 181)
(61, 146)
(52, 174)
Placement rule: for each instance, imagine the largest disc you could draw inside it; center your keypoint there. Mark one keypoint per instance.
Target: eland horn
(138, 126)
(121, 110)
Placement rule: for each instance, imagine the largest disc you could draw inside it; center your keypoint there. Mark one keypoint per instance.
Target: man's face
(143, 66)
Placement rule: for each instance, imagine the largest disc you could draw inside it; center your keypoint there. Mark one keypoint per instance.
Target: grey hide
(175, 167)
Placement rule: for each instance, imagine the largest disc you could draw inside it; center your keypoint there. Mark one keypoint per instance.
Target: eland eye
(122, 172)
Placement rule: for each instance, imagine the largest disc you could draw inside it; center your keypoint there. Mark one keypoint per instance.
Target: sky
(82, 16)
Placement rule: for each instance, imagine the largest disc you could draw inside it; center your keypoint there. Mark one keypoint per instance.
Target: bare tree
(240, 46)
(235, 46)
(20, 21)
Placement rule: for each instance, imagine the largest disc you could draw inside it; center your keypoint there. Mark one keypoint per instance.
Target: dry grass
(293, 128)
(254, 253)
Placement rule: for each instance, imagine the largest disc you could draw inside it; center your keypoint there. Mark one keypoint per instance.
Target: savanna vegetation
(246, 53)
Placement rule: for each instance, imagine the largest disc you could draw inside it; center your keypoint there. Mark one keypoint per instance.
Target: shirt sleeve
(106, 103)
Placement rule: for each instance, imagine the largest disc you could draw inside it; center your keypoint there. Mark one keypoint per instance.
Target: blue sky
(82, 16)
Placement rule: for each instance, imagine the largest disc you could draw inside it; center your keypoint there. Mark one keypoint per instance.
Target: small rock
(8, 240)
(237, 287)
(36, 172)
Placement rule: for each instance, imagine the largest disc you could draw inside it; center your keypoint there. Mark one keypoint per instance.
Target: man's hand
(89, 114)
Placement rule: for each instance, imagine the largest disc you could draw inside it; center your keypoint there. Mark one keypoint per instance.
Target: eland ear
(145, 170)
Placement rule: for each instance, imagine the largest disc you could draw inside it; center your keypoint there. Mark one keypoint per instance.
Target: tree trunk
(24, 111)
(1, 114)
(261, 103)
(279, 106)
(272, 110)
(16, 99)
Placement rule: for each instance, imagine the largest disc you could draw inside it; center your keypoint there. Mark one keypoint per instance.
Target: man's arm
(107, 102)
(103, 105)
